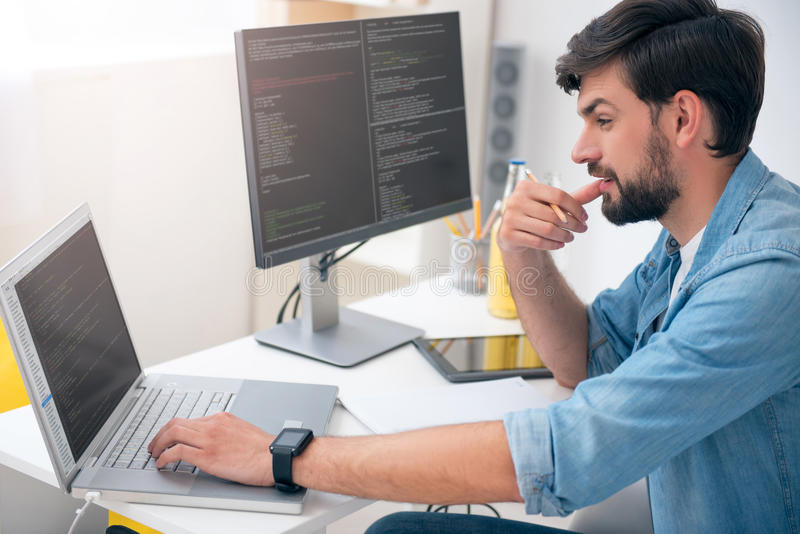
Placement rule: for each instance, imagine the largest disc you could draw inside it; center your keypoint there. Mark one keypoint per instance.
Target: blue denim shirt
(708, 405)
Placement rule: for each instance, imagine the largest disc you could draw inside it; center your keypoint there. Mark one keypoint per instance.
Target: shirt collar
(744, 184)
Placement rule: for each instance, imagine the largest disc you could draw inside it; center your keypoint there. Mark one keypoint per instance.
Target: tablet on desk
(483, 358)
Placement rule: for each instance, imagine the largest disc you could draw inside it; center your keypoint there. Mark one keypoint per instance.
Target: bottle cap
(517, 161)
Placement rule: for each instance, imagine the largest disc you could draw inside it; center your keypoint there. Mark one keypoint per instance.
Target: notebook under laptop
(94, 405)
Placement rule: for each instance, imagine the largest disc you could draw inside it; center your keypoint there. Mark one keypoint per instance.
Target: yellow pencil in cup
(463, 222)
(555, 207)
(452, 227)
(476, 209)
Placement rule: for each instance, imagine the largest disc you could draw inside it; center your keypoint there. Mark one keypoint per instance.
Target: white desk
(404, 368)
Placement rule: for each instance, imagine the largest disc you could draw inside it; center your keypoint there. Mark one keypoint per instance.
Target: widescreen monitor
(351, 129)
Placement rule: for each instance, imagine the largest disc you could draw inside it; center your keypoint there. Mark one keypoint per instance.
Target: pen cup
(469, 264)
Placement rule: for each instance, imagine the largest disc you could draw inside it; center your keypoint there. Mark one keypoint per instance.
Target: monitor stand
(326, 332)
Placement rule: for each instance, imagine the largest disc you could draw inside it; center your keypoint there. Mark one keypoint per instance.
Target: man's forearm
(444, 465)
(552, 315)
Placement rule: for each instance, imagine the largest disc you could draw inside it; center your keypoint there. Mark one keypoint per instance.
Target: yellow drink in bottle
(501, 304)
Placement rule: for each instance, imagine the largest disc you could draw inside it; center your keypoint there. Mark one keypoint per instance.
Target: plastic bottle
(501, 304)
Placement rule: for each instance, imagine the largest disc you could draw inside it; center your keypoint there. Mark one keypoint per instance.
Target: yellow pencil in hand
(555, 207)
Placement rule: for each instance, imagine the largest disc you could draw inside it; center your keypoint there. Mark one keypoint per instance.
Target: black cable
(286, 303)
(493, 509)
(445, 508)
(340, 258)
(327, 261)
(296, 305)
(294, 292)
(324, 265)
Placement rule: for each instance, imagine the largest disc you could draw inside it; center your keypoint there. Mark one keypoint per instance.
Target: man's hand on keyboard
(222, 445)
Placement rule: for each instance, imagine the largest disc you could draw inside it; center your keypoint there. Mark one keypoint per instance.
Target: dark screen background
(353, 124)
(80, 335)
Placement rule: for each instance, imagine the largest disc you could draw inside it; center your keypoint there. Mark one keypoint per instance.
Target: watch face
(290, 437)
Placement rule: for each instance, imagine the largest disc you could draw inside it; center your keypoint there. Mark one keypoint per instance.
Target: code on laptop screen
(80, 336)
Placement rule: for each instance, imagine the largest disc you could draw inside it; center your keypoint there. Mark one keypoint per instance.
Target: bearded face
(649, 192)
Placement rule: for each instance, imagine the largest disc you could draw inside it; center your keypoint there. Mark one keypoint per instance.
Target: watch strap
(283, 453)
(282, 469)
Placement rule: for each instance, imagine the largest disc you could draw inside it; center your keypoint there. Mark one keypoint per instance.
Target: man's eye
(603, 122)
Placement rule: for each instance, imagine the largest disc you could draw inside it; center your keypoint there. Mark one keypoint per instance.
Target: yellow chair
(116, 519)
(13, 395)
(12, 390)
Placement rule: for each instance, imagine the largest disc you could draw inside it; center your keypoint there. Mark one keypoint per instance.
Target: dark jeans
(442, 523)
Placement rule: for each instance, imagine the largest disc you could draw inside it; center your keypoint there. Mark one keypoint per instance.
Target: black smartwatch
(288, 444)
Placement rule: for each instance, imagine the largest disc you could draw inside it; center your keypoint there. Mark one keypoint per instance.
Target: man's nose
(586, 149)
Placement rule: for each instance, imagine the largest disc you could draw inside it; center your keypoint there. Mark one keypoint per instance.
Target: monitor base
(355, 338)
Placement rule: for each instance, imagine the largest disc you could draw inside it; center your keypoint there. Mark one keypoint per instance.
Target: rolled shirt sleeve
(528, 434)
(725, 352)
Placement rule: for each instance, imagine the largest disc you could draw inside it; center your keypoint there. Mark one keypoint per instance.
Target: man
(688, 373)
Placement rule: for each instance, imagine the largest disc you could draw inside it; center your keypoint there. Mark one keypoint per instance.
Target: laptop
(95, 407)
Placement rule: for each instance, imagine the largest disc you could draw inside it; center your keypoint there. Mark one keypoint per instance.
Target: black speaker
(502, 124)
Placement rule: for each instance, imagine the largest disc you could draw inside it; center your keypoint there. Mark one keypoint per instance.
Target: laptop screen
(80, 335)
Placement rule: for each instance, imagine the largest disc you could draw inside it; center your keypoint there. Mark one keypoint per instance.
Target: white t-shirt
(688, 252)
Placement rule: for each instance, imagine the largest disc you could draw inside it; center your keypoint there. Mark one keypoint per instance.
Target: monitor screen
(80, 336)
(352, 129)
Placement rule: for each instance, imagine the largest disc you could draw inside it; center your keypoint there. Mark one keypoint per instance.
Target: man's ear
(688, 118)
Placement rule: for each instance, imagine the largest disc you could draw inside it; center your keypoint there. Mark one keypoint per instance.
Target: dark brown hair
(665, 46)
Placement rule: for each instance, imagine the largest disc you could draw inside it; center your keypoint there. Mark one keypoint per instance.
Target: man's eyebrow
(589, 109)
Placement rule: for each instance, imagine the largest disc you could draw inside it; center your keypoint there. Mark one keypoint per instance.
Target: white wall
(155, 149)
(154, 145)
(777, 139)
(604, 255)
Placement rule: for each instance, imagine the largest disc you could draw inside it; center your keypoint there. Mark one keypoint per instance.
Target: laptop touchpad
(269, 404)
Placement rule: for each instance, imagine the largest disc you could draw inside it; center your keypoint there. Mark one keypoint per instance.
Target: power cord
(446, 507)
(327, 261)
(90, 497)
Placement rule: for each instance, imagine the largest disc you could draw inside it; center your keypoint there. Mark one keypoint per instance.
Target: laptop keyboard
(130, 450)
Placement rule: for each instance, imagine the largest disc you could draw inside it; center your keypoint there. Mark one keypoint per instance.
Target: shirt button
(636, 336)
